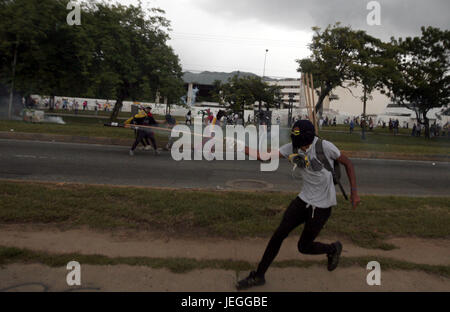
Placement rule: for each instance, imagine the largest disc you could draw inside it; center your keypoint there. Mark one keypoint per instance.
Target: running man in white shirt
(313, 205)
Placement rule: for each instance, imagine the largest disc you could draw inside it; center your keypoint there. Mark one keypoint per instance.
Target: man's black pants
(141, 135)
(296, 214)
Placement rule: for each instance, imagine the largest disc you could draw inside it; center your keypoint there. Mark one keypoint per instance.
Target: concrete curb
(190, 189)
(396, 156)
(129, 142)
(64, 138)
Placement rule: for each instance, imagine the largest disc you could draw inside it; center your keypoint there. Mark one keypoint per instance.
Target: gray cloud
(399, 18)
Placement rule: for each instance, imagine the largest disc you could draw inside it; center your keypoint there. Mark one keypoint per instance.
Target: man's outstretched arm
(247, 151)
(352, 179)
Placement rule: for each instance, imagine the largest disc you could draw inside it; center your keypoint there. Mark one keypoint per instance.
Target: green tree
(236, 94)
(40, 53)
(117, 52)
(368, 70)
(132, 59)
(418, 76)
(263, 92)
(241, 93)
(216, 92)
(334, 50)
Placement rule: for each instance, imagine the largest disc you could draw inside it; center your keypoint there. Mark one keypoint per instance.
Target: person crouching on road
(313, 205)
(143, 118)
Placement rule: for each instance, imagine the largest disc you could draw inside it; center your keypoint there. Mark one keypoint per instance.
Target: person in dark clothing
(313, 205)
(188, 118)
(396, 125)
(171, 122)
(143, 135)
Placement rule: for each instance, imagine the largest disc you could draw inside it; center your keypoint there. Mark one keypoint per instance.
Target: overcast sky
(227, 35)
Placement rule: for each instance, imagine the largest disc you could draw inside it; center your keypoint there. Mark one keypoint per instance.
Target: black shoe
(250, 281)
(333, 259)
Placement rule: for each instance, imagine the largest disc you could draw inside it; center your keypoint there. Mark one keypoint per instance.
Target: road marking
(65, 143)
(32, 156)
(25, 156)
(403, 161)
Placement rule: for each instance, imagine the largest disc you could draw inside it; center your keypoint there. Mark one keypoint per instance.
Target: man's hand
(292, 158)
(355, 200)
(297, 160)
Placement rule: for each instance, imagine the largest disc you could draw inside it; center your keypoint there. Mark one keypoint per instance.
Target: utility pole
(264, 69)
(291, 102)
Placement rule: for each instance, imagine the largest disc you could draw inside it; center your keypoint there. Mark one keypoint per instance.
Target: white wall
(350, 102)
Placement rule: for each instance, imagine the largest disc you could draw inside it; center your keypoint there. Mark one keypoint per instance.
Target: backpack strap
(323, 159)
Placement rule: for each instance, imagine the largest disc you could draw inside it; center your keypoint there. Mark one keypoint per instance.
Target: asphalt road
(99, 164)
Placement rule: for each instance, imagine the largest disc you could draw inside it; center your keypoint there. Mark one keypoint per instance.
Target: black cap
(302, 133)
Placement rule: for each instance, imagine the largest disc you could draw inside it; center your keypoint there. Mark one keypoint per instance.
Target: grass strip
(9, 255)
(377, 141)
(79, 126)
(223, 214)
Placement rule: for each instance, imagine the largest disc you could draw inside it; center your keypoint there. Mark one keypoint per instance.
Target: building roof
(208, 78)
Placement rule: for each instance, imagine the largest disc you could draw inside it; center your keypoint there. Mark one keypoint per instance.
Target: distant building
(204, 82)
(290, 86)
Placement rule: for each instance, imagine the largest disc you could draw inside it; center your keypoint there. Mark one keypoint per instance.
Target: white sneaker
(131, 153)
(157, 152)
(148, 147)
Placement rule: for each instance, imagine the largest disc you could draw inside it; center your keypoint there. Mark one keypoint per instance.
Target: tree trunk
(427, 125)
(363, 133)
(117, 107)
(28, 101)
(11, 94)
(259, 112)
(322, 96)
(51, 103)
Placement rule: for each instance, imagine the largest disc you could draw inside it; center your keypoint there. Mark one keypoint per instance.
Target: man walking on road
(317, 160)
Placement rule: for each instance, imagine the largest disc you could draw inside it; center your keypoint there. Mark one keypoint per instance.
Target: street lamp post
(265, 57)
(291, 102)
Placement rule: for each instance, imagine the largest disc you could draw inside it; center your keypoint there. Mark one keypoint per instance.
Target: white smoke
(54, 119)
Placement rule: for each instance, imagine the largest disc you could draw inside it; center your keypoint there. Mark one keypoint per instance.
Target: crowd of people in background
(435, 130)
(74, 105)
(393, 126)
(352, 122)
(230, 118)
(369, 124)
(224, 118)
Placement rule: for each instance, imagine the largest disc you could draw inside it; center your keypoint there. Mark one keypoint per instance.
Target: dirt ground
(37, 277)
(147, 244)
